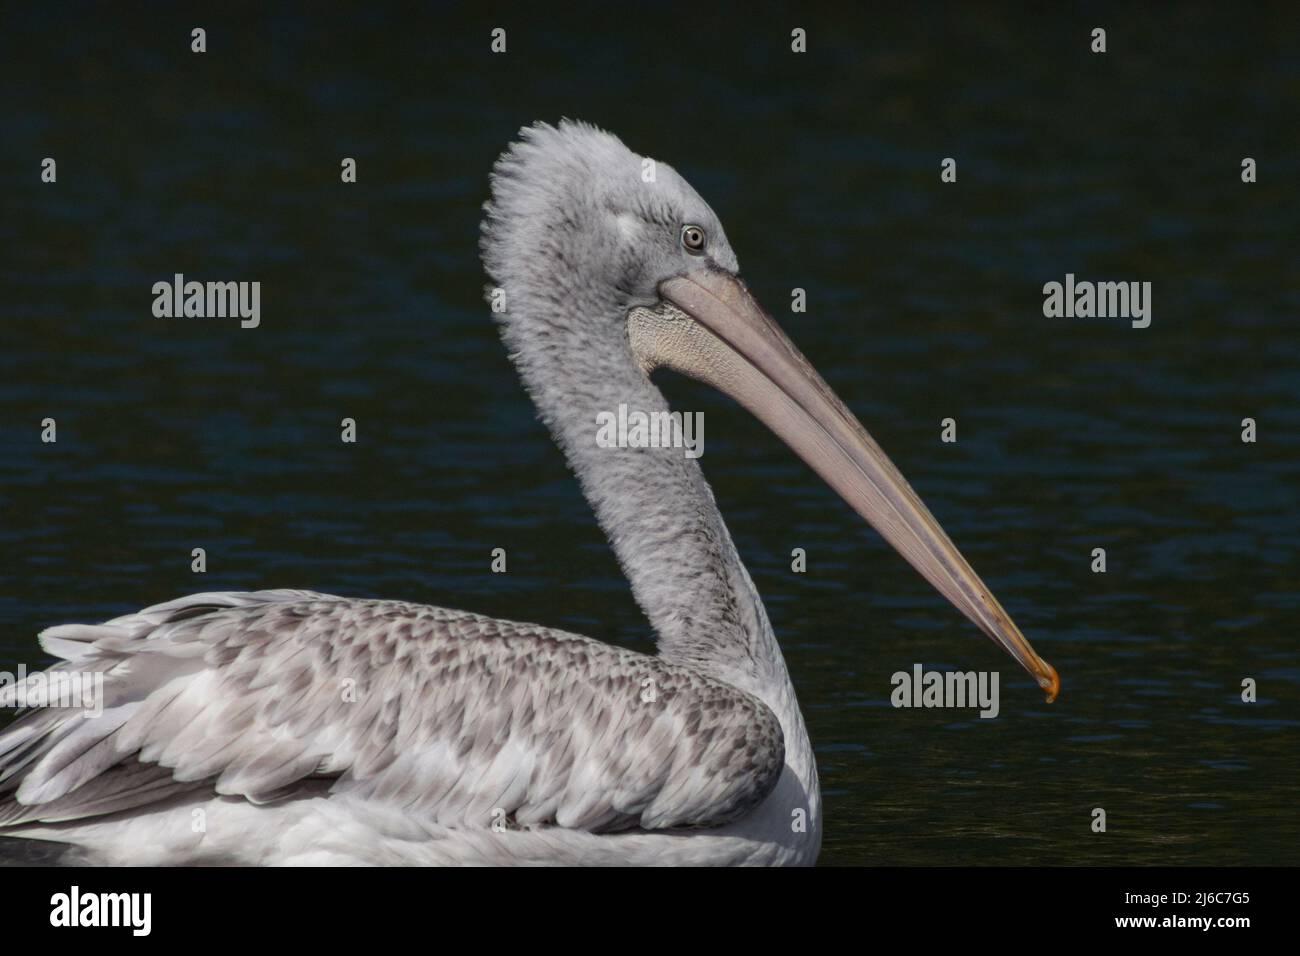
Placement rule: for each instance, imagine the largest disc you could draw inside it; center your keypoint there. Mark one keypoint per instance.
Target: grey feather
(453, 716)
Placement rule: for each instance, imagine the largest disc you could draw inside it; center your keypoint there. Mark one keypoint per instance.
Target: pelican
(294, 727)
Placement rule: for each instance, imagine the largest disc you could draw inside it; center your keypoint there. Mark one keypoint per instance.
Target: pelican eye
(693, 239)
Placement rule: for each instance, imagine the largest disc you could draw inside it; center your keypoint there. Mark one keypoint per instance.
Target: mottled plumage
(456, 718)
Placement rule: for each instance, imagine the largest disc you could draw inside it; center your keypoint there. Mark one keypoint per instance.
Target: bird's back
(447, 720)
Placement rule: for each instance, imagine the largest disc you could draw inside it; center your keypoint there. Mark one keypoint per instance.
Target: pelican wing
(457, 719)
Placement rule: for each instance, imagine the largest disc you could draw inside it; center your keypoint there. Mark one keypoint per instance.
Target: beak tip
(1049, 681)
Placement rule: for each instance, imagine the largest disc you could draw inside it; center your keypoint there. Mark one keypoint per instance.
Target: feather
(250, 694)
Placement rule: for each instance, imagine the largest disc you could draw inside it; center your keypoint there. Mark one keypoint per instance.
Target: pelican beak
(712, 329)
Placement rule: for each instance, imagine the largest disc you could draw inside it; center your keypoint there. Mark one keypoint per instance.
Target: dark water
(925, 302)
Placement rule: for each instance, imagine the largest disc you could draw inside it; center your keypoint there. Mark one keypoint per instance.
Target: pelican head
(611, 266)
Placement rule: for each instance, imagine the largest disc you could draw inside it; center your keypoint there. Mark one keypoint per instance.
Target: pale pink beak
(712, 329)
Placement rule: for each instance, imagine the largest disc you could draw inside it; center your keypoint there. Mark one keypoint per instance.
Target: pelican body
(291, 727)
